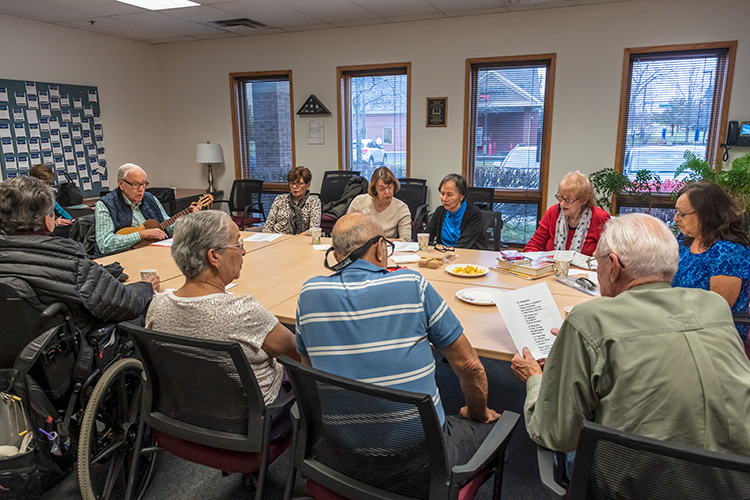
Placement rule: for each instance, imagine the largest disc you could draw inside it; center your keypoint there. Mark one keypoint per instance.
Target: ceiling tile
(537, 4)
(160, 21)
(477, 12)
(33, 9)
(98, 8)
(331, 11)
(269, 12)
(416, 17)
(110, 26)
(397, 8)
(467, 6)
(203, 14)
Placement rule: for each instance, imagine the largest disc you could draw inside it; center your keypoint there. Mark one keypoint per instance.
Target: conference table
(274, 271)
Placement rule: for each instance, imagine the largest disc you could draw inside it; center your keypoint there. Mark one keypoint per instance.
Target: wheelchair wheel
(108, 435)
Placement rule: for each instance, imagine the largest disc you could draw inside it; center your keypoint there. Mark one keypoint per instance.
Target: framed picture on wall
(437, 111)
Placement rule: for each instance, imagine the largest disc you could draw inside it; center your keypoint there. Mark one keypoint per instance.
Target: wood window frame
(235, 79)
(539, 196)
(717, 130)
(343, 96)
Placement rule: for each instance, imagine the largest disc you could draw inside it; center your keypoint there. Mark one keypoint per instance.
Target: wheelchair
(91, 381)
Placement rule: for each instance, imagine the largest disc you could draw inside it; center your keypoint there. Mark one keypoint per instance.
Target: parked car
(660, 160)
(372, 152)
(522, 157)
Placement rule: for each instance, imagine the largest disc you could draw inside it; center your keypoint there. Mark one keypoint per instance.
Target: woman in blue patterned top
(714, 247)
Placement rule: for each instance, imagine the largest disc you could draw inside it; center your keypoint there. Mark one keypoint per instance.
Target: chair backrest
(334, 182)
(166, 197)
(481, 197)
(615, 464)
(365, 441)
(492, 223)
(83, 230)
(20, 318)
(199, 390)
(413, 192)
(246, 192)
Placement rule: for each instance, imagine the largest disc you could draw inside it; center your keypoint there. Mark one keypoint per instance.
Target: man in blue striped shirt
(374, 326)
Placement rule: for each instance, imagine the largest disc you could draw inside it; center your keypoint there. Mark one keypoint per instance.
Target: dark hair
(719, 215)
(299, 173)
(383, 174)
(458, 180)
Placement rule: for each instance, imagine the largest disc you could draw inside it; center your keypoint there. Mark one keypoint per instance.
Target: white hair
(644, 244)
(125, 169)
(195, 234)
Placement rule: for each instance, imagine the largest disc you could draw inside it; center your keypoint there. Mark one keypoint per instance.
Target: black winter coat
(58, 269)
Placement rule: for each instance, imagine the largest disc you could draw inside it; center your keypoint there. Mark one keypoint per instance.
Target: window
(507, 129)
(674, 100)
(263, 132)
(374, 111)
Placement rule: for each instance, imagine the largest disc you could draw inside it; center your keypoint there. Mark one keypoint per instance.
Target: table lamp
(209, 154)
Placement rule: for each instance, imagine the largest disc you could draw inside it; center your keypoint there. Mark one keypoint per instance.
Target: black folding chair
(245, 199)
(204, 405)
(413, 192)
(166, 197)
(493, 225)
(482, 198)
(616, 464)
(362, 441)
(333, 184)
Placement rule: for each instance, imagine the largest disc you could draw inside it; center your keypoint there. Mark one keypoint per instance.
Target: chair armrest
(741, 318)
(546, 462)
(498, 436)
(280, 405)
(54, 309)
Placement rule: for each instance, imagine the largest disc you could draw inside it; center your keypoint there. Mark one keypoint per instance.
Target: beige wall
(158, 102)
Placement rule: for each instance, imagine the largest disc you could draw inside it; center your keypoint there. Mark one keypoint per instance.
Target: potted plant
(607, 182)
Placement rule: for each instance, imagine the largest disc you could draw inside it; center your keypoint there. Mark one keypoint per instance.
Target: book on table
(527, 266)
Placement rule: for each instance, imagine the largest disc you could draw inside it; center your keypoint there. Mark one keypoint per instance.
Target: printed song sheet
(530, 313)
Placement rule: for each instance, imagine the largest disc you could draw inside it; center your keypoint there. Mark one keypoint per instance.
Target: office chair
(333, 184)
(245, 199)
(413, 192)
(365, 442)
(204, 405)
(493, 225)
(166, 197)
(616, 464)
(482, 198)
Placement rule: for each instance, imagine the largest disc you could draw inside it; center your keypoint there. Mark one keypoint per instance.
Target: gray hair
(194, 235)
(125, 169)
(24, 204)
(352, 231)
(644, 244)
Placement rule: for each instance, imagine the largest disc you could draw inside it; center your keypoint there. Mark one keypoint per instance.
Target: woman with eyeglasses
(208, 249)
(574, 223)
(714, 245)
(456, 223)
(392, 213)
(296, 212)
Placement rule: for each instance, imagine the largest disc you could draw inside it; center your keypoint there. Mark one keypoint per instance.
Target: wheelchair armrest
(54, 309)
(546, 461)
(497, 438)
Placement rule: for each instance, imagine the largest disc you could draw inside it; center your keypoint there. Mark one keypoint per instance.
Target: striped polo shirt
(374, 326)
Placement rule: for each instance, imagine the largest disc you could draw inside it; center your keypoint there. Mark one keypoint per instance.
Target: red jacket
(544, 237)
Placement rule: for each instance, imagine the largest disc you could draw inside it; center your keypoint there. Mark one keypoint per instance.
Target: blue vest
(122, 214)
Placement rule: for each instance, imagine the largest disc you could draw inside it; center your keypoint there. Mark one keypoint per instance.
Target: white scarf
(561, 231)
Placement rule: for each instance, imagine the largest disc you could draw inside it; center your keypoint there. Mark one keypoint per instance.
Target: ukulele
(203, 202)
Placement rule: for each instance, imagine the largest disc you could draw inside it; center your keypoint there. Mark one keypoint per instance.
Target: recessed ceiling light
(160, 4)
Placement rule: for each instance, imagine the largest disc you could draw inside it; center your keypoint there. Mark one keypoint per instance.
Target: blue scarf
(451, 230)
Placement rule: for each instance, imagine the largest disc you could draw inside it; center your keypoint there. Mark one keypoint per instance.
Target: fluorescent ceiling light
(160, 4)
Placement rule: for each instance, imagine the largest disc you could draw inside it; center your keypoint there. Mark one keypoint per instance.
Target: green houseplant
(607, 182)
(735, 180)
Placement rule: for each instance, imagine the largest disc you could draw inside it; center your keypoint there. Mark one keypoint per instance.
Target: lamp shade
(208, 153)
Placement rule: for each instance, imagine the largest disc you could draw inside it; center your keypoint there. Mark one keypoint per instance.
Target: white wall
(589, 42)
(123, 71)
(158, 102)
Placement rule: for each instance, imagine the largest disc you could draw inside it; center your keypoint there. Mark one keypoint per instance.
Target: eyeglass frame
(594, 258)
(359, 252)
(440, 247)
(560, 198)
(139, 185)
(386, 187)
(296, 185)
(240, 245)
(679, 215)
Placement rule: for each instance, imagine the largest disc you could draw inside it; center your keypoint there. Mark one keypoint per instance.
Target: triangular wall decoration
(313, 106)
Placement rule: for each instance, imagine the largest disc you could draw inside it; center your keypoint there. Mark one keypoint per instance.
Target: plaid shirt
(108, 241)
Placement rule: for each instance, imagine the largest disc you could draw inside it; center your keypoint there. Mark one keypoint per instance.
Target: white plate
(451, 268)
(476, 296)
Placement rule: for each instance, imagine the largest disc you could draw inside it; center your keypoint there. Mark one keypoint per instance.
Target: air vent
(238, 25)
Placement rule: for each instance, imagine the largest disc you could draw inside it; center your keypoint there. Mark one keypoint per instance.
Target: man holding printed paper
(644, 358)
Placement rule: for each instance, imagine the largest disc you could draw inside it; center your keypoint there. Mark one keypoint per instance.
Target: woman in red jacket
(574, 223)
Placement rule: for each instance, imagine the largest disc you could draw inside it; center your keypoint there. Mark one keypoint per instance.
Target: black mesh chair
(413, 192)
(616, 464)
(361, 441)
(333, 184)
(245, 199)
(742, 320)
(493, 225)
(166, 197)
(482, 198)
(203, 403)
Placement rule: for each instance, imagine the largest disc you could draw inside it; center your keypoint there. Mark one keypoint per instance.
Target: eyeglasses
(681, 215)
(444, 248)
(593, 262)
(240, 245)
(383, 189)
(569, 201)
(136, 185)
(296, 185)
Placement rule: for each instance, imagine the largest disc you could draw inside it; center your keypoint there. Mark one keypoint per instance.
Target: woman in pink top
(574, 223)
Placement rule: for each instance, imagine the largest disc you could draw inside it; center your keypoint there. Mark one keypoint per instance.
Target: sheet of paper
(92, 96)
(316, 131)
(21, 145)
(10, 162)
(8, 145)
(33, 102)
(4, 112)
(321, 248)
(162, 243)
(77, 103)
(30, 88)
(5, 130)
(65, 100)
(18, 115)
(231, 285)
(405, 259)
(406, 246)
(529, 314)
(19, 129)
(34, 130)
(263, 237)
(20, 98)
(3, 94)
(43, 97)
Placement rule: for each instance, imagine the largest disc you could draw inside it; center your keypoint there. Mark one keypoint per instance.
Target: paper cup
(147, 273)
(562, 267)
(424, 241)
(315, 235)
